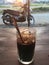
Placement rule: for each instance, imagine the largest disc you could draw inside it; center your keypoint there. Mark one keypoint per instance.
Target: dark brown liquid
(26, 52)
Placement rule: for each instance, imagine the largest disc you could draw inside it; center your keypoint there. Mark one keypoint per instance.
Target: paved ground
(40, 18)
(8, 49)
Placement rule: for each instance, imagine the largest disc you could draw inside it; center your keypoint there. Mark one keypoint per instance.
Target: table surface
(8, 48)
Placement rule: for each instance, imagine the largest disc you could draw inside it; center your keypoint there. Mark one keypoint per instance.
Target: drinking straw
(28, 13)
(16, 26)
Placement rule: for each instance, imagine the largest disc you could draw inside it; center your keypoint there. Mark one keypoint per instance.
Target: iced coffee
(26, 49)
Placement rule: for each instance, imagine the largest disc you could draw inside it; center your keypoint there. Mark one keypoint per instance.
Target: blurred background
(39, 9)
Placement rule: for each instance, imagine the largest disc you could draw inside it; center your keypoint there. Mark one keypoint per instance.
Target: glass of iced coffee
(26, 48)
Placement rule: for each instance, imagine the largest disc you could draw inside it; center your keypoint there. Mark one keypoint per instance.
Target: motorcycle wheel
(31, 18)
(7, 21)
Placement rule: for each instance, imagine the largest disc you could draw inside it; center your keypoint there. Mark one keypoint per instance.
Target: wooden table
(8, 48)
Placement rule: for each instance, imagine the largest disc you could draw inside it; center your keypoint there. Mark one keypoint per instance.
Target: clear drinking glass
(26, 48)
(26, 38)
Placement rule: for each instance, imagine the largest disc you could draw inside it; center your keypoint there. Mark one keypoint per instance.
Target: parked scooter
(19, 16)
(7, 14)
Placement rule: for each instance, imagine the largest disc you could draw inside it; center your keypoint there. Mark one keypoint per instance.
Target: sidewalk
(24, 25)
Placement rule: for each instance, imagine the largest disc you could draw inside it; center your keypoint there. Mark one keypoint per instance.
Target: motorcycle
(19, 17)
